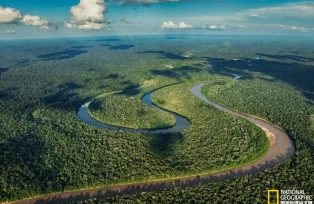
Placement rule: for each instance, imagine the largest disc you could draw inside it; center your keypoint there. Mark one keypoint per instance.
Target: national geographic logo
(288, 197)
(273, 197)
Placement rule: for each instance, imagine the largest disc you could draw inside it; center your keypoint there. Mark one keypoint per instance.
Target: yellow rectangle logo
(273, 197)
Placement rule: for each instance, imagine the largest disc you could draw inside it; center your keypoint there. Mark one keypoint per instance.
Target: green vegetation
(285, 106)
(266, 99)
(129, 111)
(206, 130)
(48, 150)
(44, 148)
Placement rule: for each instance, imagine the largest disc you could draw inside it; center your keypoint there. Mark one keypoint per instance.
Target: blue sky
(65, 18)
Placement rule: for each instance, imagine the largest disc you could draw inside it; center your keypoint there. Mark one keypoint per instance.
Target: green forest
(129, 111)
(45, 148)
(275, 101)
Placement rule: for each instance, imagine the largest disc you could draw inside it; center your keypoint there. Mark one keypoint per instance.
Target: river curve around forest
(280, 149)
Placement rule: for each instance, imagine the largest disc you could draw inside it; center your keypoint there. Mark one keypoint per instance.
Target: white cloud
(219, 27)
(88, 15)
(171, 25)
(168, 24)
(9, 15)
(34, 21)
(89, 11)
(215, 27)
(45, 27)
(92, 26)
(302, 29)
(278, 15)
(11, 31)
(273, 25)
(295, 10)
(69, 24)
(184, 25)
(50, 27)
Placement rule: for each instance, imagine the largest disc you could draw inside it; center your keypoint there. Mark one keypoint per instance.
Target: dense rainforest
(119, 110)
(44, 148)
(270, 100)
(267, 99)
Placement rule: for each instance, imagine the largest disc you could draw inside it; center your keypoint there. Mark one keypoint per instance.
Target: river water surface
(181, 122)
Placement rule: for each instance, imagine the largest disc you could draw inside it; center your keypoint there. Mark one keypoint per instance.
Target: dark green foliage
(111, 109)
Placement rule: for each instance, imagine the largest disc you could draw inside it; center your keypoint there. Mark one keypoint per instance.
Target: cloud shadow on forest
(65, 96)
(131, 89)
(65, 54)
(295, 74)
(26, 151)
(177, 73)
(121, 47)
(163, 144)
(81, 47)
(8, 93)
(105, 45)
(15, 64)
(164, 54)
(2, 70)
(112, 76)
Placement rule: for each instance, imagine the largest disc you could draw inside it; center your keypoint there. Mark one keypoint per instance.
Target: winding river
(280, 149)
(181, 122)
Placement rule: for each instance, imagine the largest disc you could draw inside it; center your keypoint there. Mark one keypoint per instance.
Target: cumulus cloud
(40, 22)
(215, 27)
(125, 20)
(92, 26)
(69, 24)
(218, 27)
(34, 21)
(9, 15)
(50, 27)
(89, 11)
(171, 25)
(45, 27)
(88, 15)
(302, 29)
(12, 16)
(11, 31)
